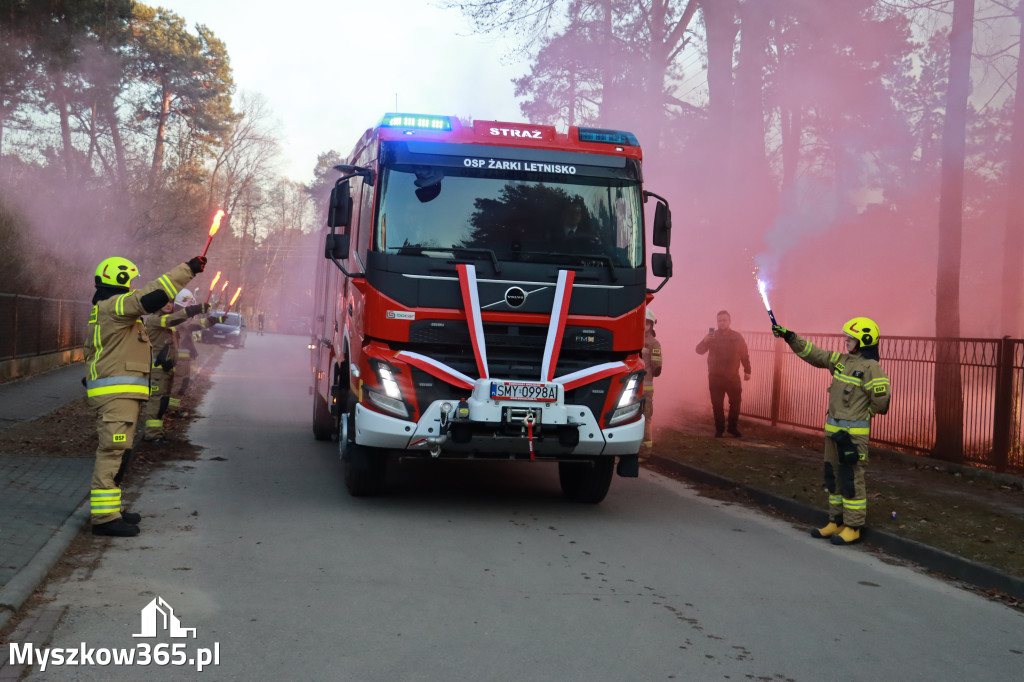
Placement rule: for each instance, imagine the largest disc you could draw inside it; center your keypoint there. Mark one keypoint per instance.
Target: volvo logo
(515, 297)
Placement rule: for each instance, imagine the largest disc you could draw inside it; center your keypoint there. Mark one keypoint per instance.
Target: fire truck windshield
(517, 216)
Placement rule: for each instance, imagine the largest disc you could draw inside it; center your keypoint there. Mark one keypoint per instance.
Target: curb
(979, 575)
(14, 594)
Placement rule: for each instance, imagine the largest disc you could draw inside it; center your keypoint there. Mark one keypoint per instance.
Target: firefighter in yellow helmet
(859, 391)
(117, 361)
(652, 363)
(160, 327)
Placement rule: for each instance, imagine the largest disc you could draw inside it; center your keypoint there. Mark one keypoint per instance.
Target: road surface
(484, 572)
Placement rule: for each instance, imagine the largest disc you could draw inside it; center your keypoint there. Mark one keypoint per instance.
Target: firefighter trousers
(648, 416)
(115, 428)
(182, 378)
(159, 395)
(847, 494)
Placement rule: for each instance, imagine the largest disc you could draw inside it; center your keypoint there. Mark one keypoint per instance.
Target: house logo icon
(158, 615)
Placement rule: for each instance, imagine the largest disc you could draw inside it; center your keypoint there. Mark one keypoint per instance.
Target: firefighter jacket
(651, 357)
(726, 350)
(162, 337)
(859, 390)
(117, 351)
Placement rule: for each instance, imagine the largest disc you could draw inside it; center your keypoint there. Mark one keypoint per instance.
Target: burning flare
(212, 285)
(762, 287)
(233, 299)
(213, 230)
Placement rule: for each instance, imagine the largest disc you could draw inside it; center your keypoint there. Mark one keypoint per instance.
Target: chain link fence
(31, 325)
(992, 380)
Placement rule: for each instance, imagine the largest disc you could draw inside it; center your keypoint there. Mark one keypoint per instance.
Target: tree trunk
(720, 29)
(161, 132)
(61, 102)
(110, 114)
(949, 402)
(1013, 250)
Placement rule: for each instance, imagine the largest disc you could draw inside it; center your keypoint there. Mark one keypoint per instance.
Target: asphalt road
(483, 572)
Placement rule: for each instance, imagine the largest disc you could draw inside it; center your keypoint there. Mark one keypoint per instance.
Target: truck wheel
(323, 422)
(365, 469)
(586, 481)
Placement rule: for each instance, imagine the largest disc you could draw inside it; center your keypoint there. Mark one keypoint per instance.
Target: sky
(330, 69)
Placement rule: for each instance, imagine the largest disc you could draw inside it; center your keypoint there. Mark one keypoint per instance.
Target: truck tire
(585, 482)
(323, 422)
(366, 478)
(365, 469)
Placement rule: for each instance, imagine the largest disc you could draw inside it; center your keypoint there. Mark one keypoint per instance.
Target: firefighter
(859, 391)
(117, 360)
(652, 363)
(161, 330)
(184, 337)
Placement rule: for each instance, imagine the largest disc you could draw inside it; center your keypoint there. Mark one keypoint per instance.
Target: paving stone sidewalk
(40, 497)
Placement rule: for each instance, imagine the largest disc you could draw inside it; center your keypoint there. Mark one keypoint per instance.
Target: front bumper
(495, 428)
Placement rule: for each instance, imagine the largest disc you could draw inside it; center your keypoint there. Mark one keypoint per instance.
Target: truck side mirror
(336, 246)
(339, 212)
(662, 234)
(661, 264)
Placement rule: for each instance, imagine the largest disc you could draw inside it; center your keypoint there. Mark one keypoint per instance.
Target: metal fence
(30, 325)
(992, 381)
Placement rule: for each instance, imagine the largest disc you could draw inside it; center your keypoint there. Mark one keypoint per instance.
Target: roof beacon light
(420, 121)
(604, 136)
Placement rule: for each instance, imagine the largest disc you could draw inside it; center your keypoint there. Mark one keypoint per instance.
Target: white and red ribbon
(471, 302)
(436, 369)
(556, 326)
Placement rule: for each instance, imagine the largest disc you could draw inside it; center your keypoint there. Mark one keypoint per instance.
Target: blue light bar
(604, 136)
(420, 121)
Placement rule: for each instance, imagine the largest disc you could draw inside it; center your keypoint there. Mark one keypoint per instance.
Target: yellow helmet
(116, 272)
(863, 329)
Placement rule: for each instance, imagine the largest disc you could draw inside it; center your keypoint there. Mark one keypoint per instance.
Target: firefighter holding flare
(118, 362)
(859, 391)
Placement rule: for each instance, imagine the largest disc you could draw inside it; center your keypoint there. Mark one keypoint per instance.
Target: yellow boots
(828, 531)
(846, 536)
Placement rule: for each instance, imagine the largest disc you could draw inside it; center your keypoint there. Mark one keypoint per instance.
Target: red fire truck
(482, 296)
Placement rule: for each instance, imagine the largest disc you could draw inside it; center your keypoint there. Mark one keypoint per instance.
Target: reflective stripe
(174, 402)
(105, 501)
(835, 499)
(111, 390)
(184, 354)
(97, 344)
(154, 423)
(808, 347)
(847, 423)
(832, 358)
(111, 385)
(880, 381)
(168, 286)
(848, 379)
(855, 504)
(119, 303)
(854, 431)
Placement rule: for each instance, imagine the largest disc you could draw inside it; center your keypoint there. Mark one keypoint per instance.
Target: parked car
(231, 332)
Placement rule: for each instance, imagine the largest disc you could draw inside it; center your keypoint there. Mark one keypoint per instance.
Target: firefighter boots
(828, 531)
(846, 536)
(117, 528)
(131, 517)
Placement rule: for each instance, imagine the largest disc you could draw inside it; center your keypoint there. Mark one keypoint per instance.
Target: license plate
(517, 390)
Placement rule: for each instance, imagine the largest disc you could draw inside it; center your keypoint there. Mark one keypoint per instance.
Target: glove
(193, 310)
(162, 361)
(214, 319)
(847, 448)
(197, 264)
(779, 330)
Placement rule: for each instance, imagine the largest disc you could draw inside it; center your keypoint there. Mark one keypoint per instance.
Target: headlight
(628, 405)
(391, 398)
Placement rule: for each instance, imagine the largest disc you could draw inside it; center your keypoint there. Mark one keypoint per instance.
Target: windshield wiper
(556, 255)
(402, 250)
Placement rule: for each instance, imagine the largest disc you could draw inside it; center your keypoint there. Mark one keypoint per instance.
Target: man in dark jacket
(726, 351)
